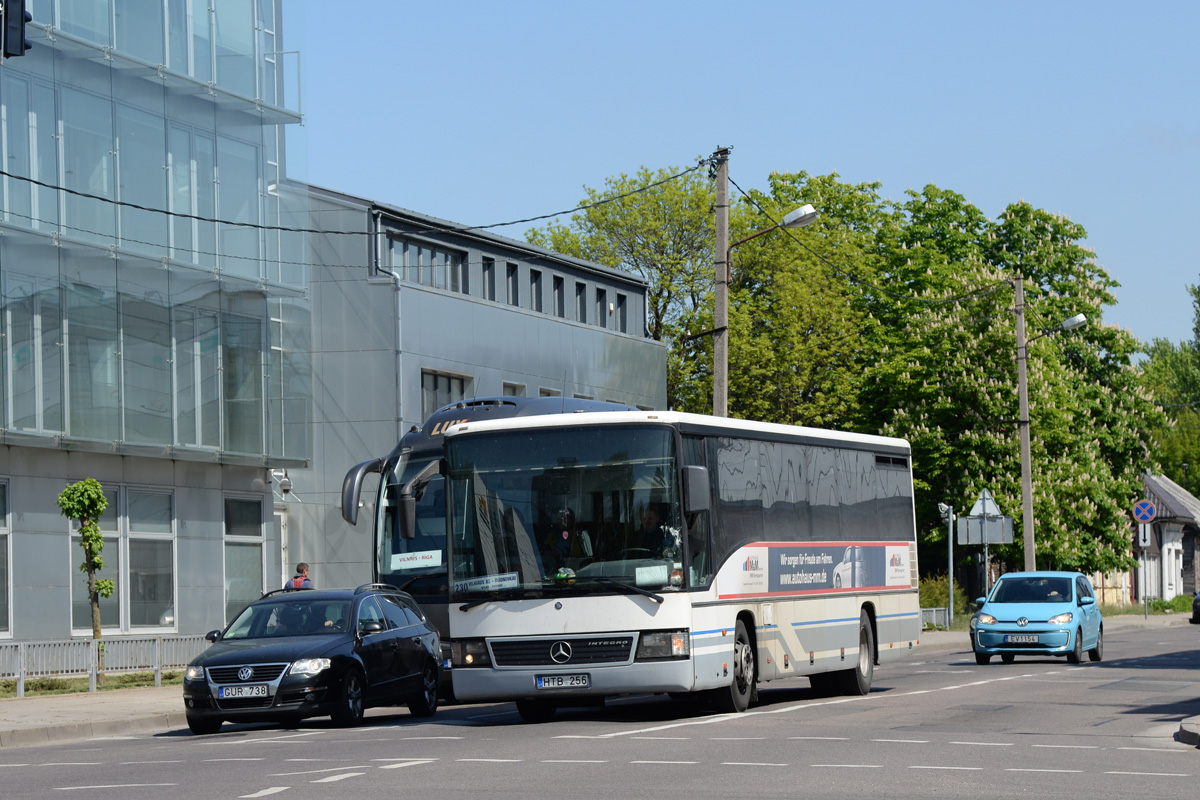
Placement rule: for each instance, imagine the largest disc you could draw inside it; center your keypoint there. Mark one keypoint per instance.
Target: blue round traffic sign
(1143, 511)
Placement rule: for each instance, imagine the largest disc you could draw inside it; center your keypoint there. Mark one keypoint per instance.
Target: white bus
(604, 554)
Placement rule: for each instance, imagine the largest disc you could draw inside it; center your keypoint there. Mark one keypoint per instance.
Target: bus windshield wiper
(658, 598)
(496, 594)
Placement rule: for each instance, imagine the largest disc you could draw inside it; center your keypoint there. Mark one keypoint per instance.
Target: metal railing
(935, 618)
(76, 658)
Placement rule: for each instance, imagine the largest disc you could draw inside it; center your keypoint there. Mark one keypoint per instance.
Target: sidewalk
(46, 719)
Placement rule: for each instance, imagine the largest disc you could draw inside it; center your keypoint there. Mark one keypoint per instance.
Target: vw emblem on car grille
(245, 674)
(560, 652)
(1022, 622)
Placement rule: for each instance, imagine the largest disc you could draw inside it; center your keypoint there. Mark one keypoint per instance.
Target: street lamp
(1070, 324)
(800, 218)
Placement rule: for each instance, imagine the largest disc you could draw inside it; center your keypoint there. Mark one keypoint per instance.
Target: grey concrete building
(417, 312)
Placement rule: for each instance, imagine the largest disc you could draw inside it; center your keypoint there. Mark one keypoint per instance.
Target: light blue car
(1038, 614)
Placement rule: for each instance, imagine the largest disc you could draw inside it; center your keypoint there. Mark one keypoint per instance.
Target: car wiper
(658, 598)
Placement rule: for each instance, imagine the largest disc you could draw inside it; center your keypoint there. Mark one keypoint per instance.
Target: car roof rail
(287, 589)
(366, 587)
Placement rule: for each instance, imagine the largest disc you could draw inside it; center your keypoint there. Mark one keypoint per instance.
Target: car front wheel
(349, 711)
(982, 658)
(203, 726)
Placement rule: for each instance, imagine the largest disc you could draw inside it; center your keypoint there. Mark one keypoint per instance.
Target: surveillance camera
(943, 508)
(285, 484)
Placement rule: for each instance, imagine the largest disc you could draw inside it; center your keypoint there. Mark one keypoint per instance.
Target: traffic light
(15, 17)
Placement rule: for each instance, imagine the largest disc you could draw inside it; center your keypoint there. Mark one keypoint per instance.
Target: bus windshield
(400, 560)
(564, 510)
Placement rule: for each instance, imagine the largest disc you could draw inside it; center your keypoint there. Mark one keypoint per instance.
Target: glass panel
(141, 138)
(243, 576)
(202, 56)
(93, 363)
(108, 521)
(151, 582)
(205, 170)
(140, 29)
(110, 607)
(149, 512)
(146, 352)
(235, 45)
(3, 579)
(33, 357)
(88, 19)
(243, 517)
(15, 102)
(177, 38)
(88, 148)
(237, 163)
(181, 171)
(45, 136)
(242, 337)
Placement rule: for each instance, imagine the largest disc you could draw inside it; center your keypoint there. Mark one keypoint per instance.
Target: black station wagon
(314, 652)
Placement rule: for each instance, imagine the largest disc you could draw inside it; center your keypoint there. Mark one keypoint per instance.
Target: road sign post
(1144, 512)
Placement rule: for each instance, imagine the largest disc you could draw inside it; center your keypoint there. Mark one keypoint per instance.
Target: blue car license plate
(1021, 638)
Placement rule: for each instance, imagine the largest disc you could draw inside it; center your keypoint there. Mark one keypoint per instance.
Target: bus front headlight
(470, 653)
(663, 644)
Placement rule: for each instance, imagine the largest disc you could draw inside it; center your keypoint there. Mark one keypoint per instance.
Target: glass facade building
(155, 310)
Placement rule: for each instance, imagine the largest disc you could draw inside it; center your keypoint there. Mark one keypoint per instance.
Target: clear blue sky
(484, 112)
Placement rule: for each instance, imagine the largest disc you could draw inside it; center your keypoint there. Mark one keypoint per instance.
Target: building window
(622, 320)
(489, 279)
(560, 300)
(139, 555)
(243, 553)
(543, 392)
(581, 302)
(439, 389)
(583, 396)
(535, 290)
(417, 262)
(5, 580)
(514, 389)
(602, 308)
(513, 290)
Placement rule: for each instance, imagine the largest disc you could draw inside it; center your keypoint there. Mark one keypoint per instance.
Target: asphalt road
(936, 726)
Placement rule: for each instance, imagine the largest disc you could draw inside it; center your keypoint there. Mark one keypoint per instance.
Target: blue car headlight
(1061, 619)
(987, 619)
(309, 666)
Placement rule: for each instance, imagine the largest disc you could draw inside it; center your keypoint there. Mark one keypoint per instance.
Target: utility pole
(721, 289)
(1023, 428)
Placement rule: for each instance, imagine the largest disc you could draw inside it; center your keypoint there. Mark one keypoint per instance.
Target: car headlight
(987, 619)
(194, 673)
(309, 666)
(1061, 619)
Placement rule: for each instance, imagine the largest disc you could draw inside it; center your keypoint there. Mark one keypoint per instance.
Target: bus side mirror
(352, 487)
(410, 493)
(695, 490)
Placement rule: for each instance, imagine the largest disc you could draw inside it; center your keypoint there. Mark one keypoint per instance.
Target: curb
(49, 734)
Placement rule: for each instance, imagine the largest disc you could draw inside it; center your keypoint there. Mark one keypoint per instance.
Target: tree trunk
(94, 598)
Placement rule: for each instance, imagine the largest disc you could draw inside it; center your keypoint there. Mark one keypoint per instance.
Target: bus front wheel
(736, 698)
(535, 711)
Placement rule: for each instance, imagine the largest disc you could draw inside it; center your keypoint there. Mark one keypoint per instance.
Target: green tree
(1171, 374)
(84, 502)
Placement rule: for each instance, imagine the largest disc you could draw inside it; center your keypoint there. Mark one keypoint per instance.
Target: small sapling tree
(85, 502)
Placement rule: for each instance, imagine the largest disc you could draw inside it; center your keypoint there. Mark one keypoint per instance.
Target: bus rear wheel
(736, 698)
(857, 679)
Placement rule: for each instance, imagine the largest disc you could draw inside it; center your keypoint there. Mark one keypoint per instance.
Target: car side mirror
(212, 636)
(979, 601)
(1087, 601)
(371, 627)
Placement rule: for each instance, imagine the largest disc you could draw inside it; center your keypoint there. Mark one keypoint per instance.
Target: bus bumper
(475, 684)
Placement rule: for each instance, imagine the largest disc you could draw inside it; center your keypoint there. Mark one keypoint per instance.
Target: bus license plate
(562, 681)
(251, 690)
(1026, 638)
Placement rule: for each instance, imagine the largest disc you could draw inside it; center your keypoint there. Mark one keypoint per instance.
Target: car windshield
(290, 616)
(1032, 590)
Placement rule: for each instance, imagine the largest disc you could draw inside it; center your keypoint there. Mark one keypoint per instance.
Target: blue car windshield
(1032, 590)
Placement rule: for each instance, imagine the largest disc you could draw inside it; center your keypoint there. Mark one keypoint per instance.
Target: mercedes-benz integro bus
(633, 552)
(417, 564)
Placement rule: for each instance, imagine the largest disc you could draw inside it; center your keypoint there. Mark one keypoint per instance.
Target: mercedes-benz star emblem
(560, 652)
(245, 674)
(1022, 622)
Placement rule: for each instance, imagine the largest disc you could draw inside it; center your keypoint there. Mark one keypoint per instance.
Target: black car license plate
(249, 690)
(563, 681)
(1021, 638)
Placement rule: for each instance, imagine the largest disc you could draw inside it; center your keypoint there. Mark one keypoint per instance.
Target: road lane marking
(1153, 774)
(750, 764)
(430, 738)
(986, 744)
(409, 763)
(820, 738)
(1152, 749)
(664, 738)
(737, 738)
(967, 769)
(317, 771)
(209, 760)
(903, 741)
(335, 778)
(847, 766)
(665, 762)
(493, 760)
(268, 791)
(1069, 746)
(172, 761)
(1031, 769)
(571, 761)
(112, 786)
